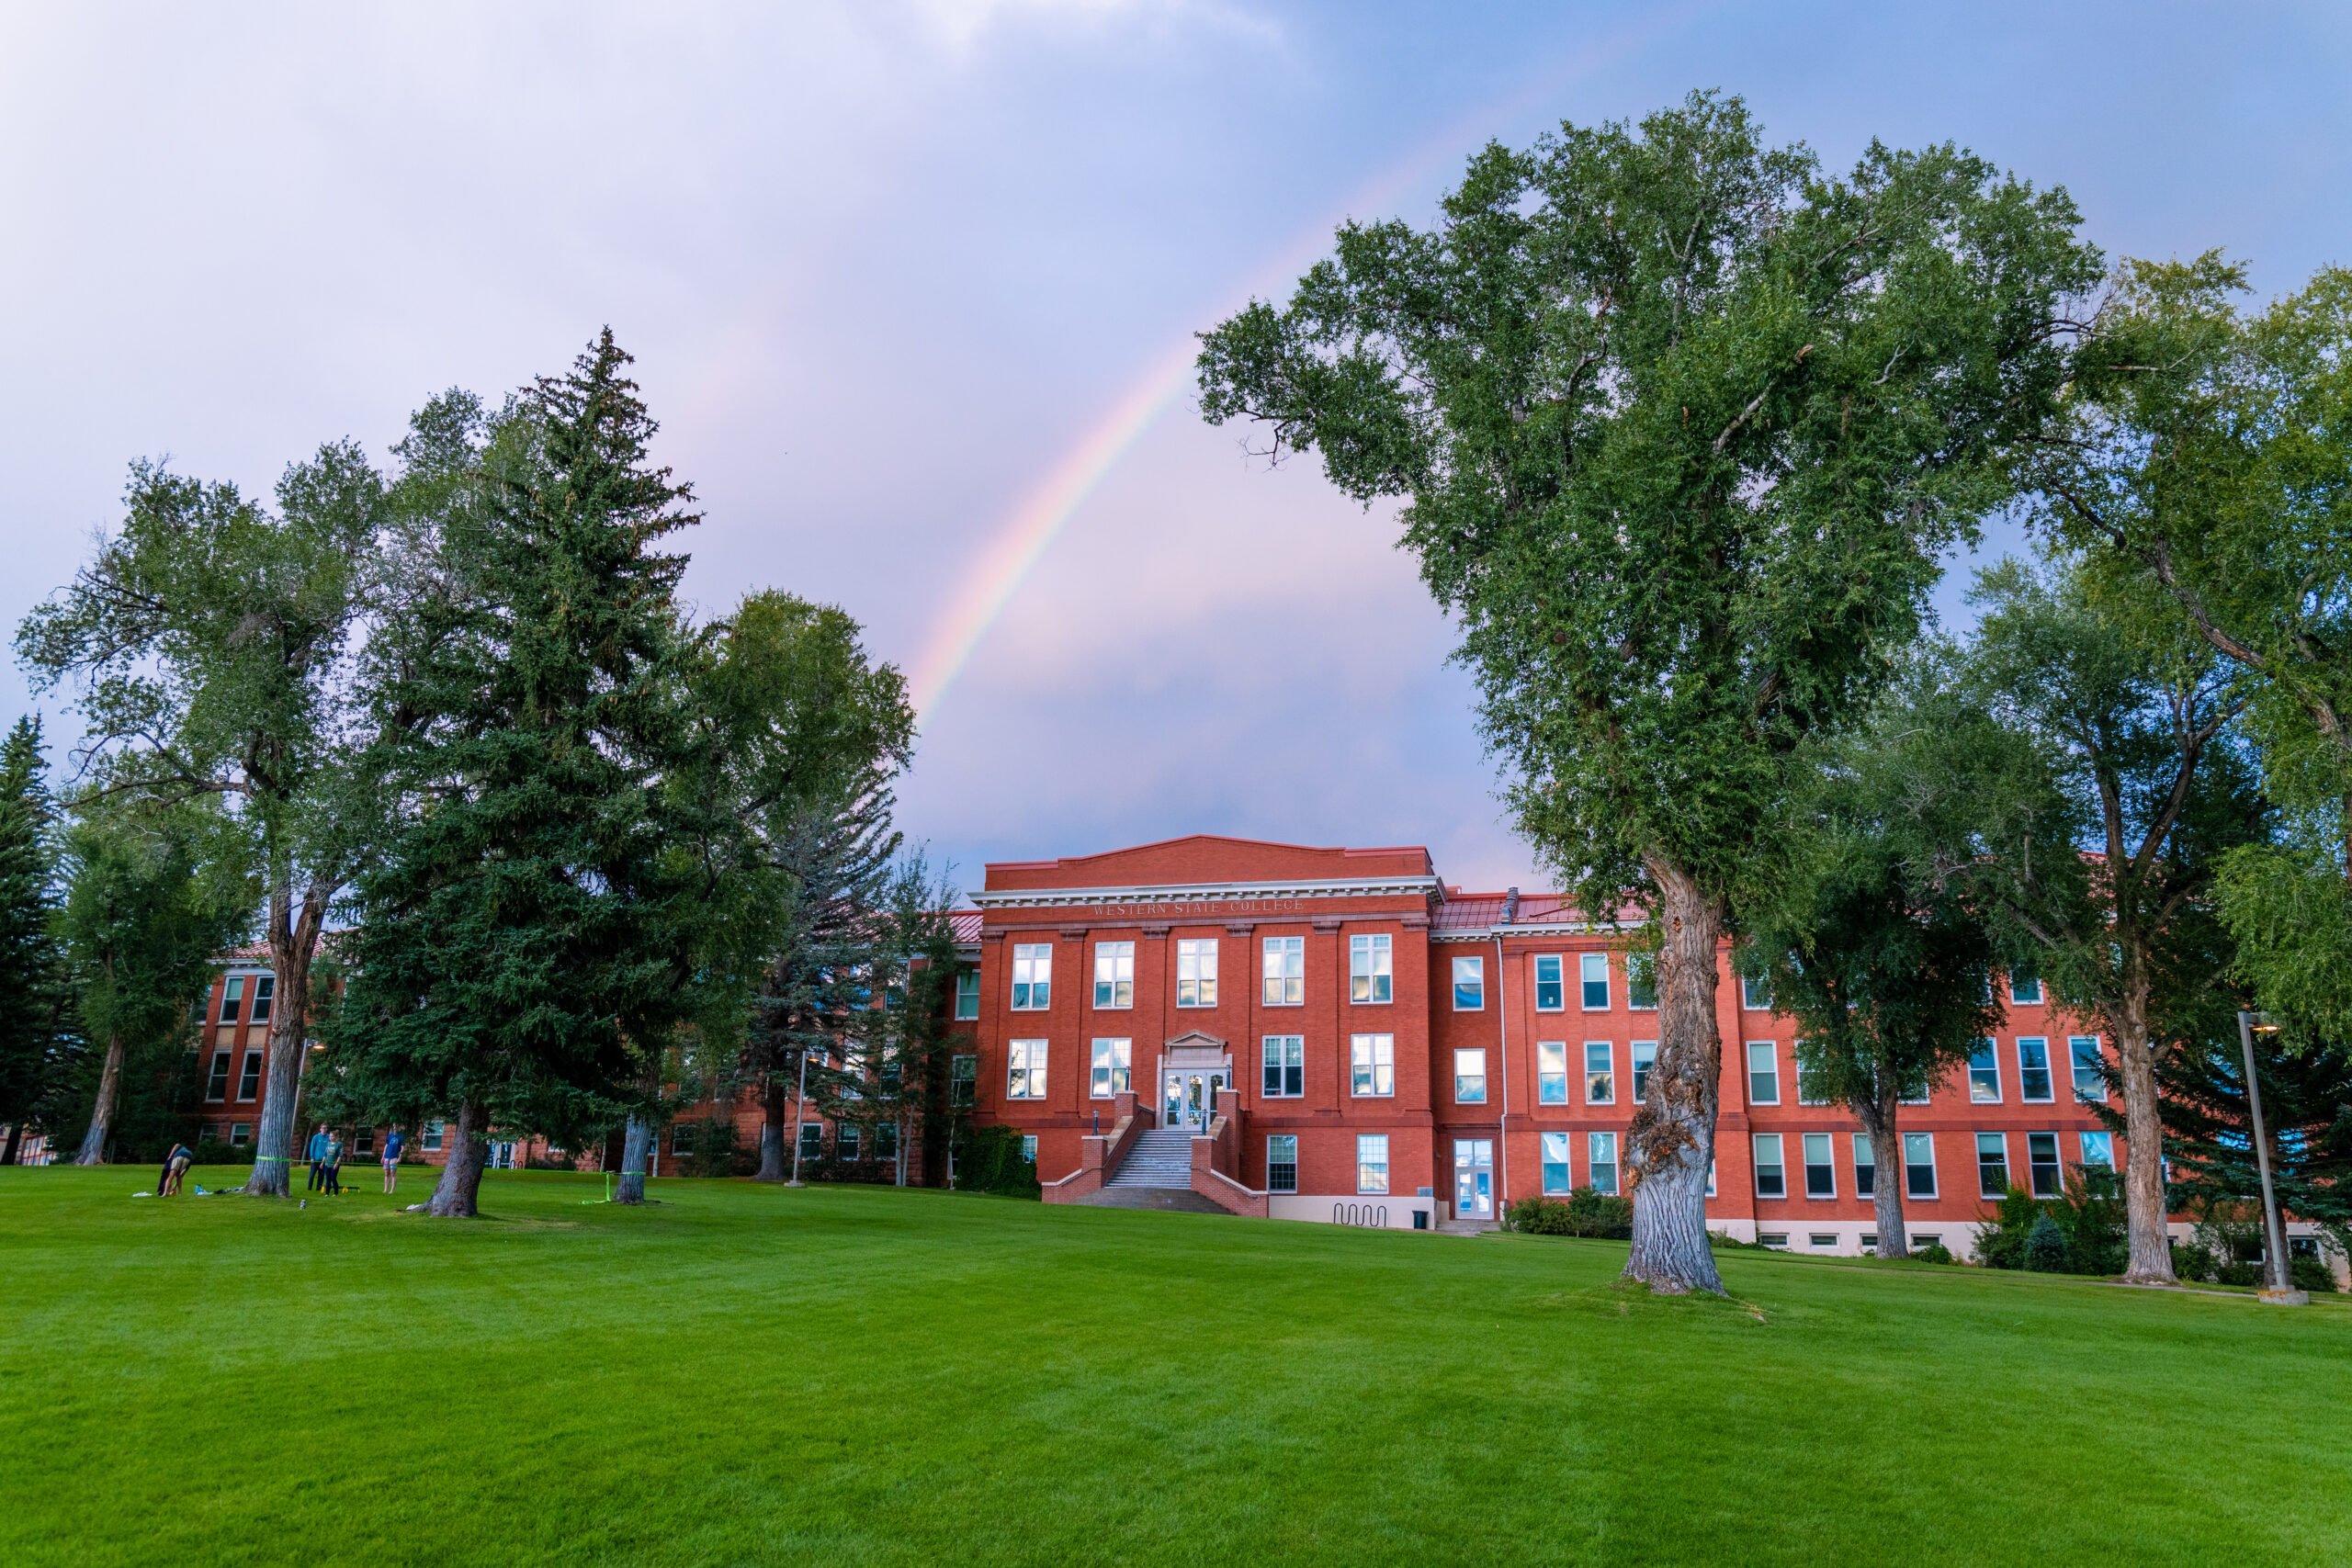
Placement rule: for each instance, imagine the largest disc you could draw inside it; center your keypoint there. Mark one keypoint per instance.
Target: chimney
(1511, 906)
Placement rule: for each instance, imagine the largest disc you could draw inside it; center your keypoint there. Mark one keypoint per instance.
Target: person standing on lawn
(334, 1163)
(318, 1158)
(394, 1142)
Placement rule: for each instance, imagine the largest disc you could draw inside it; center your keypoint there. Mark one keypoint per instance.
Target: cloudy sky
(911, 286)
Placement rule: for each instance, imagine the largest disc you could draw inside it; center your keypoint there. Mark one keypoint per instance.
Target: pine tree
(2306, 1111)
(31, 967)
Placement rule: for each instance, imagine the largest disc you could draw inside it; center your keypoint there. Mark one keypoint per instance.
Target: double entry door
(1187, 1094)
(1474, 1178)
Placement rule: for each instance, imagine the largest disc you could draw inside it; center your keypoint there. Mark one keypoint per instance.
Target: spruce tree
(31, 975)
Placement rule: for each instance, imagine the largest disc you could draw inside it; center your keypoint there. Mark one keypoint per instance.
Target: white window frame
(1551, 1072)
(1282, 971)
(249, 1073)
(1606, 1076)
(1115, 976)
(430, 1139)
(1865, 1166)
(1111, 1067)
(1633, 1001)
(1927, 1141)
(1772, 1049)
(1558, 983)
(1758, 1164)
(232, 999)
(2105, 1145)
(1549, 1144)
(1475, 967)
(1272, 1141)
(1372, 1174)
(217, 1073)
(2003, 1139)
(963, 1078)
(1371, 1057)
(2019, 998)
(812, 1140)
(1596, 1145)
(2075, 1042)
(1029, 1147)
(968, 995)
(240, 1134)
(2057, 1167)
(1645, 1053)
(1806, 1143)
(2049, 1071)
(264, 1001)
(1593, 969)
(1807, 1094)
(849, 1145)
(1467, 1056)
(1281, 1067)
(1197, 955)
(1991, 1052)
(1755, 992)
(1033, 976)
(1024, 1069)
(1372, 969)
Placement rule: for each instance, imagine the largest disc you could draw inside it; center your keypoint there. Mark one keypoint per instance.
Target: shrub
(2090, 1215)
(2312, 1274)
(2001, 1241)
(2045, 1246)
(2194, 1263)
(2238, 1272)
(1585, 1211)
(715, 1149)
(552, 1162)
(1934, 1252)
(988, 1160)
(211, 1151)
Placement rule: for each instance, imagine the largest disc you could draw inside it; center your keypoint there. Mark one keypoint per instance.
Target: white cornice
(1210, 892)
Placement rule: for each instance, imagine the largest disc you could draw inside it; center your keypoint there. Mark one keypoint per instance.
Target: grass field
(746, 1375)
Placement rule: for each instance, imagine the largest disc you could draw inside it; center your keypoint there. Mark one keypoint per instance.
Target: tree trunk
(94, 1141)
(774, 1166)
(457, 1195)
(15, 1142)
(1671, 1142)
(636, 1146)
(1886, 1172)
(293, 942)
(2144, 1133)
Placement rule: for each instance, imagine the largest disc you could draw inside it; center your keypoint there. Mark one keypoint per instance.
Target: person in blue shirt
(394, 1142)
(319, 1157)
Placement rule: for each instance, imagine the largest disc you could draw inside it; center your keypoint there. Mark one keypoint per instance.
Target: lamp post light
(2280, 1291)
(799, 1116)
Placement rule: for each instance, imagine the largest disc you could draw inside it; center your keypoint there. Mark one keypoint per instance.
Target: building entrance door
(1187, 1094)
(1474, 1178)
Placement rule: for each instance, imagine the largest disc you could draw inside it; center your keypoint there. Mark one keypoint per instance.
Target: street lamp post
(800, 1115)
(2280, 1291)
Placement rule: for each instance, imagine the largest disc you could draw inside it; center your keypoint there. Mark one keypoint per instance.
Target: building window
(1599, 1073)
(1114, 973)
(1865, 1168)
(2034, 1080)
(1196, 971)
(1371, 1062)
(1372, 1162)
(1810, 1090)
(1033, 976)
(963, 1077)
(1550, 992)
(812, 1140)
(2098, 1149)
(1371, 972)
(1918, 1165)
(1763, 1073)
(1992, 1165)
(1282, 1058)
(1603, 1149)
(967, 994)
(1283, 984)
(1470, 985)
(1711, 1176)
(216, 1087)
(1645, 1056)
(1024, 1075)
(240, 1134)
(2041, 1164)
(846, 1143)
(1820, 1166)
(264, 992)
(1110, 1074)
(364, 1143)
(431, 1139)
(1771, 1176)
(232, 991)
(2025, 989)
(1824, 1240)
(1556, 1176)
(853, 1073)
(1772, 1238)
(1594, 967)
(682, 1140)
(1985, 1075)
(1029, 1147)
(249, 1080)
(1282, 1162)
(1641, 981)
(1918, 1091)
(1552, 1072)
(1756, 993)
(1469, 1078)
(886, 1141)
(2090, 1069)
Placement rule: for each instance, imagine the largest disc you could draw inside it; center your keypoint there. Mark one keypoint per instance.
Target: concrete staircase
(1157, 1174)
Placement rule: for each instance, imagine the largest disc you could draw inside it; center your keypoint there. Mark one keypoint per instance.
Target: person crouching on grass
(176, 1165)
(393, 1143)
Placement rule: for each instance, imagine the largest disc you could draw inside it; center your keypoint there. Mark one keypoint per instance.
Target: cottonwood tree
(214, 638)
(31, 965)
(2208, 451)
(2109, 786)
(518, 930)
(1681, 423)
(1872, 945)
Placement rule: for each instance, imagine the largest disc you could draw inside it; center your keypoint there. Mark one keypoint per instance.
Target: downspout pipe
(1502, 1021)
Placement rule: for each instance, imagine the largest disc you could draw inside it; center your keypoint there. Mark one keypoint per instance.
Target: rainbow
(1016, 544)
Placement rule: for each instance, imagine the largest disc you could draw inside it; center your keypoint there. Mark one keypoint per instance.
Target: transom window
(1552, 1072)
(1033, 976)
(1469, 985)
(1284, 983)
(1601, 1150)
(1196, 971)
(2090, 1069)
(1820, 1166)
(1370, 969)
(1282, 1162)
(1641, 981)
(1470, 1077)
(2041, 1164)
(1594, 968)
(1556, 1175)
(1763, 1073)
(1550, 992)
(1772, 1175)
(2034, 1079)
(1372, 1162)
(1599, 1073)
(1644, 1057)
(1371, 1064)
(1985, 1075)
(1114, 973)
(1992, 1165)
(1283, 1057)
(1110, 1074)
(1025, 1073)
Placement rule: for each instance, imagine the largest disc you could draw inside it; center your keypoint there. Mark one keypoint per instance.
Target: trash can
(1420, 1219)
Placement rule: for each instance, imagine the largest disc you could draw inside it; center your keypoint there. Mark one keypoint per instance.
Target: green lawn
(848, 1375)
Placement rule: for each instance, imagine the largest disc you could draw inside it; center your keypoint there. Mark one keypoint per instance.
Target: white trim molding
(1174, 898)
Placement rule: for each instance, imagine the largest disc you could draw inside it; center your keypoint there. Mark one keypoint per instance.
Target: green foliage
(36, 1036)
(2045, 1246)
(2001, 1241)
(1933, 1252)
(2307, 1273)
(988, 1160)
(2307, 1109)
(2090, 1216)
(2194, 1263)
(1585, 1211)
(213, 1151)
(716, 1148)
